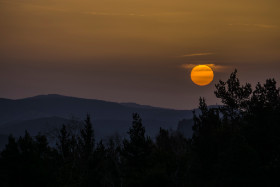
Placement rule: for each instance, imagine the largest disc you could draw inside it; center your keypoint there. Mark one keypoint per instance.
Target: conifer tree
(64, 142)
(136, 154)
(87, 140)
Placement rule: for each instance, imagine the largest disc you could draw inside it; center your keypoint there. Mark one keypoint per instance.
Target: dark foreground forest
(235, 144)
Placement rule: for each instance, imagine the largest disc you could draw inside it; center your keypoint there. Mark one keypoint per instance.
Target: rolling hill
(45, 112)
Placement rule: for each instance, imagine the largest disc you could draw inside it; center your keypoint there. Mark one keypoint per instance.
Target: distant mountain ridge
(64, 106)
(36, 114)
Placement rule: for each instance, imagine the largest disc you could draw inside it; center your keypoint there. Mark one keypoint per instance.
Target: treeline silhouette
(235, 144)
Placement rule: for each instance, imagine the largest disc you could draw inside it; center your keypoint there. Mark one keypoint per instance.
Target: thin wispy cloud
(214, 67)
(34, 7)
(140, 15)
(197, 54)
(184, 13)
(266, 26)
(111, 14)
(45, 8)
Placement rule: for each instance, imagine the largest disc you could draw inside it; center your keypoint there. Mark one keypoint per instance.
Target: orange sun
(202, 75)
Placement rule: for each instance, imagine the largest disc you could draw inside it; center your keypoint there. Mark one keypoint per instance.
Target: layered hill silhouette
(45, 112)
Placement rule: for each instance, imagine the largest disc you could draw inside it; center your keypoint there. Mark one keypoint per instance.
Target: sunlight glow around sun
(202, 75)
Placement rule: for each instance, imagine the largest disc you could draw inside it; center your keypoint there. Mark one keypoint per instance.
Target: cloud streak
(214, 67)
(111, 14)
(197, 54)
(265, 26)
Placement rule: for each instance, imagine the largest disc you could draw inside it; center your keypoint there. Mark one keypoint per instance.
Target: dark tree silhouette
(87, 140)
(63, 143)
(136, 154)
(238, 143)
(235, 144)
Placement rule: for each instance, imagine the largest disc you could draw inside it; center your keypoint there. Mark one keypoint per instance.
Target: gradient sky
(134, 50)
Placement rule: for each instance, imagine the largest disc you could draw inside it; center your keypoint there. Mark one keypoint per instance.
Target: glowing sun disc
(202, 75)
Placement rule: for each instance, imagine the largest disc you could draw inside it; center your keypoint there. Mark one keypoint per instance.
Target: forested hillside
(236, 144)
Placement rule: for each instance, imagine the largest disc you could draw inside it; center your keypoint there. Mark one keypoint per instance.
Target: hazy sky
(134, 50)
